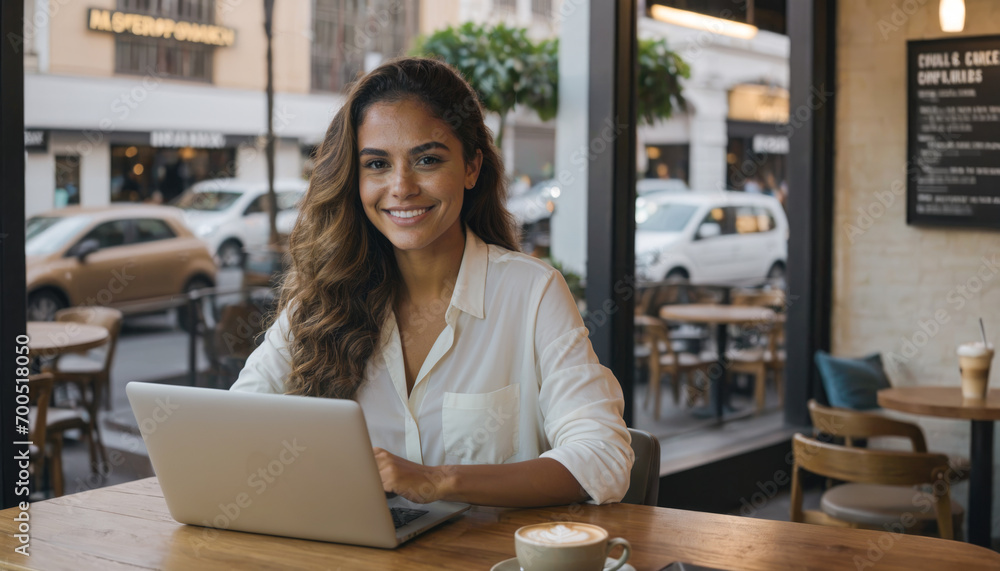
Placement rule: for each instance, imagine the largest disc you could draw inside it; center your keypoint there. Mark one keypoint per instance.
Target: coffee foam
(975, 349)
(562, 534)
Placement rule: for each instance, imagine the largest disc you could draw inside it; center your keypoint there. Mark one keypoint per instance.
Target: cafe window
(668, 161)
(541, 7)
(67, 180)
(141, 173)
(353, 36)
(505, 6)
(166, 57)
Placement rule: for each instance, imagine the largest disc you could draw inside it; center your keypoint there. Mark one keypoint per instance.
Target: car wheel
(184, 311)
(776, 276)
(677, 274)
(43, 305)
(231, 254)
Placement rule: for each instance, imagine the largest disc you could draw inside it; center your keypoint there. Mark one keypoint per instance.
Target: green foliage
(659, 89)
(500, 62)
(506, 68)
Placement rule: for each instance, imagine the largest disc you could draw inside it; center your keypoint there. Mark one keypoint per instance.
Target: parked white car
(710, 237)
(230, 214)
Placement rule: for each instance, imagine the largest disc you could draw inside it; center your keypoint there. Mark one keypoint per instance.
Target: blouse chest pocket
(481, 428)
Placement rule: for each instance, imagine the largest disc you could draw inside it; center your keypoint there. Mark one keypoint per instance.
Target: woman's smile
(408, 216)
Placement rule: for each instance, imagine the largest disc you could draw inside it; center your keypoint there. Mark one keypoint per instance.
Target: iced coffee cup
(974, 363)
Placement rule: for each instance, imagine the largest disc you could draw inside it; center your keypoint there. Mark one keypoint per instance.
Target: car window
(721, 216)
(47, 234)
(745, 219)
(258, 205)
(108, 234)
(289, 200)
(663, 217)
(765, 220)
(152, 229)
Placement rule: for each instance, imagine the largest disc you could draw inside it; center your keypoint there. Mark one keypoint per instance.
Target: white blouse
(512, 377)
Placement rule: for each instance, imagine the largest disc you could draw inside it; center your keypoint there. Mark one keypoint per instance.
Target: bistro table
(51, 338)
(722, 316)
(947, 402)
(128, 527)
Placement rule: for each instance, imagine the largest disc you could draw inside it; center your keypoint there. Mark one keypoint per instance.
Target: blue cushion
(852, 383)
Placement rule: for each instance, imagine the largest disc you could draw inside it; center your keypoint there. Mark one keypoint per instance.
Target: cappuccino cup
(567, 546)
(974, 364)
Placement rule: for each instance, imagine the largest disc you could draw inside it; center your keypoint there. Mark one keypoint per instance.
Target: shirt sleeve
(268, 367)
(580, 399)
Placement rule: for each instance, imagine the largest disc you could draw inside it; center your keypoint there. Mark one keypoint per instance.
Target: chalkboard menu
(953, 132)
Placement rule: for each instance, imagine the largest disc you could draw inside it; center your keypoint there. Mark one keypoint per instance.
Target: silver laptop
(277, 464)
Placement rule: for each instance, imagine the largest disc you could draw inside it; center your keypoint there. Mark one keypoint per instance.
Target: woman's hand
(532, 483)
(415, 482)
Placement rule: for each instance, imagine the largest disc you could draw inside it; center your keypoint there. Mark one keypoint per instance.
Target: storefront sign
(36, 141)
(953, 132)
(153, 27)
(770, 144)
(196, 139)
(760, 103)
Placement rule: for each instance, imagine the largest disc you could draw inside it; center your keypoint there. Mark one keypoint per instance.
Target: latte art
(563, 534)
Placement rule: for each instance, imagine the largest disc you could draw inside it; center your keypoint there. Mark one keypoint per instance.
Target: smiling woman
(407, 294)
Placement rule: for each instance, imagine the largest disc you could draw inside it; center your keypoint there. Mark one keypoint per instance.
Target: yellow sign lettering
(160, 28)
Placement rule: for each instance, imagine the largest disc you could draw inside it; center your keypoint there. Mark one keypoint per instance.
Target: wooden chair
(765, 360)
(91, 376)
(229, 343)
(663, 359)
(893, 504)
(49, 423)
(644, 480)
(39, 396)
(855, 424)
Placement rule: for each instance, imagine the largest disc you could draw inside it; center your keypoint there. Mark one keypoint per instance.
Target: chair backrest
(237, 329)
(865, 466)
(657, 334)
(851, 424)
(40, 395)
(106, 317)
(644, 481)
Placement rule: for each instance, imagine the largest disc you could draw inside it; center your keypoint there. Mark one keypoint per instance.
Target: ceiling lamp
(952, 15)
(710, 23)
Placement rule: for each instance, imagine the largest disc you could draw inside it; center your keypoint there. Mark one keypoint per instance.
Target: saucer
(511, 565)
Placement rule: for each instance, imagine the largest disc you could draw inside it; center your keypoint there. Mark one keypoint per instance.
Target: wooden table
(947, 402)
(128, 527)
(50, 338)
(721, 316)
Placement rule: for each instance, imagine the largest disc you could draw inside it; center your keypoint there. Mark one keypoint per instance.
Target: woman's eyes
(379, 164)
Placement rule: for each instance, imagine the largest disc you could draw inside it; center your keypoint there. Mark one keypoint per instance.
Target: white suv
(230, 215)
(710, 237)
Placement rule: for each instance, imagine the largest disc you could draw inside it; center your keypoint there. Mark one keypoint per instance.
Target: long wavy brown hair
(344, 280)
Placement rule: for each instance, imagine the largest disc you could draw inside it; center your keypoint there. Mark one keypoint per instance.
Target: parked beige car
(136, 258)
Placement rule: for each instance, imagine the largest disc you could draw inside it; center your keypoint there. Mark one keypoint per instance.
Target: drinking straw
(983, 331)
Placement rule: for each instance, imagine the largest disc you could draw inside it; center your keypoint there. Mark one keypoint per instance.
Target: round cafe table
(721, 316)
(947, 402)
(50, 338)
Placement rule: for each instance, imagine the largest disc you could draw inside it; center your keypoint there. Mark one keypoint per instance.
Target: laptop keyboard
(403, 516)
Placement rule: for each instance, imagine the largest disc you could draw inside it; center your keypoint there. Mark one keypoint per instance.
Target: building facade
(135, 100)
